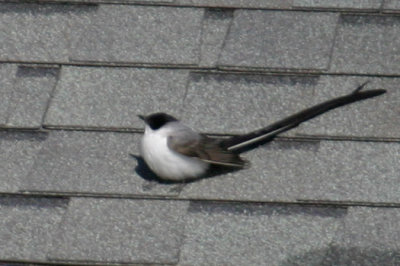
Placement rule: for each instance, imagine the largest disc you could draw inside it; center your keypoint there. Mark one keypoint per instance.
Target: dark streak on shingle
(30, 97)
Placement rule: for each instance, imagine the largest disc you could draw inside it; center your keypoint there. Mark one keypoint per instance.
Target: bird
(176, 152)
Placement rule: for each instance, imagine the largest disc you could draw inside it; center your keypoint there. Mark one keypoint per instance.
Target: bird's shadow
(145, 172)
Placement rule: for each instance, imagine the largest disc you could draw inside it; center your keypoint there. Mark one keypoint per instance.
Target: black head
(157, 120)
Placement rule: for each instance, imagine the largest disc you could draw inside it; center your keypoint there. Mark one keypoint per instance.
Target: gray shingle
(31, 32)
(218, 103)
(30, 97)
(90, 162)
(28, 226)
(60, 33)
(138, 34)
(17, 156)
(100, 163)
(98, 229)
(7, 74)
(240, 234)
(215, 27)
(367, 44)
(113, 97)
(25, 94)
(271, 39)
(392, 5)
(350, 4)
(233, 103)
(120, 230)
(326, 170)
(369, 237)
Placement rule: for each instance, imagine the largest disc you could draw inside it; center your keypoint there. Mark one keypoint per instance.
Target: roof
(75, 73)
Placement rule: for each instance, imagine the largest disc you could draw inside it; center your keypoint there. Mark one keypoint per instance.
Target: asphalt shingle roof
(75, 74)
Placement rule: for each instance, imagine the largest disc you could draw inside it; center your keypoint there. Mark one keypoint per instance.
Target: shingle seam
(391, 11)
(297, 137)
(212, 70)
(191, 5)
(338, 10)
(77, 263)
(298, 202)
(286, 73)
(388, 10)
(102, 263)
(294, 71)
(102, 64)
(135, 64)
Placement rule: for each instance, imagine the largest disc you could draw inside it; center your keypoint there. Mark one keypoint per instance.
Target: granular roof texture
(75, 74)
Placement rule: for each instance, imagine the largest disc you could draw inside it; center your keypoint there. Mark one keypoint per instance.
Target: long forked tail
(242, 142)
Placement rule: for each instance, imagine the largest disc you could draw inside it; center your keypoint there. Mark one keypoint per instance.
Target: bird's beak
(142, 117)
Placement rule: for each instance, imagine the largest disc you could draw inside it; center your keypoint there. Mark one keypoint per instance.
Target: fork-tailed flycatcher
(175, 152)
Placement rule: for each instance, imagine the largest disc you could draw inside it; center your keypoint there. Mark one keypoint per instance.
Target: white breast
(166, 163)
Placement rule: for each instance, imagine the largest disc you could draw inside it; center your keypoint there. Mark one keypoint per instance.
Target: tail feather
(265, 134)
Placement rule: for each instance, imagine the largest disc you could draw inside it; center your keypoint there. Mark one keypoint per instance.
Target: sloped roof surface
(75, 73)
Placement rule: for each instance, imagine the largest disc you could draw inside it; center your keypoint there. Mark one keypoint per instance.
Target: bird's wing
(189, 143)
